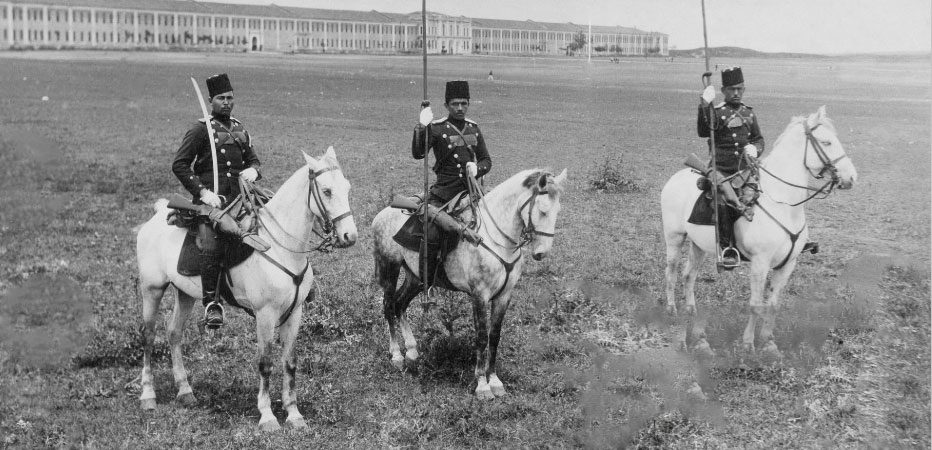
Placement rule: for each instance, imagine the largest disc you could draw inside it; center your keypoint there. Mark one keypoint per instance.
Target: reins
(827, 165)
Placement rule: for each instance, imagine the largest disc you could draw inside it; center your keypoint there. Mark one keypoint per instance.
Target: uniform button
(734, 135)
(450, 146)
(736, 154)
(723, 117)
(456, 155)
(229, 163)
(736, 144)
(228, 174)
(217, 140)
(458, 165)
(461, 175)
(445, 136)
(223, 150)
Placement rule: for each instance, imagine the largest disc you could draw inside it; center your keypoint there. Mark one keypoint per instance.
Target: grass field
(585, 353)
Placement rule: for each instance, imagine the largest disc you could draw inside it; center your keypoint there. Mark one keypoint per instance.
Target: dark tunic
(193, 164)
(735, 127)
(454, 144)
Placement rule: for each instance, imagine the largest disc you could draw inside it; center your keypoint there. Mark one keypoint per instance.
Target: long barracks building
(193, 25)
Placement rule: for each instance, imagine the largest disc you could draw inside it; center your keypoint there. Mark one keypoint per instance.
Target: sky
(803, 26)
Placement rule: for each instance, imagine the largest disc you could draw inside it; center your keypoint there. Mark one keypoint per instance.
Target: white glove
(210, 199)
(750, 150)
(249, 174)
(471, 169)
(426, 117)
(708, 95)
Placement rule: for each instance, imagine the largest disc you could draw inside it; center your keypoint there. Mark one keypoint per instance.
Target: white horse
(522, 211)
(273, 284)
(808, 147)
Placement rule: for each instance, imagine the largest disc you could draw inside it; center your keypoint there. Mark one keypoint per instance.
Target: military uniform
(735, 127)
(454, 144)
(193, 164)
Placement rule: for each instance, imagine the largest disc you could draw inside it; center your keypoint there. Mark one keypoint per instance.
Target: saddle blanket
(189, 259)
(703, 211)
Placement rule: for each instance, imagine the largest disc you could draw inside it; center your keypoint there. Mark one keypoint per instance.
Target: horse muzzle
(346, 239)
(538, 256)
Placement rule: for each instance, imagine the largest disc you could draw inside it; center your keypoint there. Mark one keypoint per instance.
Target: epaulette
(471, 121)
(746, 106)
(201, 120)
(440, 120)
(720, 105)
(234, 120)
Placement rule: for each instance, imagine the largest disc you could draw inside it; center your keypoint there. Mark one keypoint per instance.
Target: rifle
(224, 222)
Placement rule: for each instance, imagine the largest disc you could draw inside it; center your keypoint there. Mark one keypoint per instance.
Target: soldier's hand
(708, 94)
(426, 117)
(750, 150)
(210, 199)
(471, 169)
(250, 174)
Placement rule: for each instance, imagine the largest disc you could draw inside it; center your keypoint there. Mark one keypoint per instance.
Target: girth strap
(509, 266)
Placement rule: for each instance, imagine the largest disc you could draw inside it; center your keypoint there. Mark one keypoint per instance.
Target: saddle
(412, 231)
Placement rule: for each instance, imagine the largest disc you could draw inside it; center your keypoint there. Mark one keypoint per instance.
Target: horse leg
(674, 243)
(408, 291)
(265, 333)
(387, 274)
(183, 305)
(777, 282)
(483, 390)
(758, 278)
(288, 333)
(498, 309)
(151, 298)
(690, 273)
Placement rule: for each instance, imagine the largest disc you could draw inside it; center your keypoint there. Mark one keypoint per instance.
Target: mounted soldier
(199, 161)
(460, 152)
(737, 143)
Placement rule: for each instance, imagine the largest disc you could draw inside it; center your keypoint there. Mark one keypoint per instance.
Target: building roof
(291, 12)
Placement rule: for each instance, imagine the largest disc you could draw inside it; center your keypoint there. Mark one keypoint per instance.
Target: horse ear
(308, 158)
(816, 117)
(331, 153)
(559, 179)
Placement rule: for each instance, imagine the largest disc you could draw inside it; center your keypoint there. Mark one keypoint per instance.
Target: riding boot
(444, 221)
(729, 196)
(210, 256)
(726, 239)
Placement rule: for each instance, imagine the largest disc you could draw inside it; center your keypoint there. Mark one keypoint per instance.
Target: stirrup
(730, 258)
(213, 323)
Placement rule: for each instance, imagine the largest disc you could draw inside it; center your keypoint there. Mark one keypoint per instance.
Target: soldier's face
(733, 94)
(457, 107)
(222, 103)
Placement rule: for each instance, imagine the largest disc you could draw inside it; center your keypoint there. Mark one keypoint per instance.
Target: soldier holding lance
(194, 167)
(459, 152)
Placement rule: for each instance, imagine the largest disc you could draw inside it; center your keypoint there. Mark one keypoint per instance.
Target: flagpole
(707, 81)
(426, 198)
(590, 39)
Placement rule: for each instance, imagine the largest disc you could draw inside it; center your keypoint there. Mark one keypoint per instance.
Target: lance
(425, 103)
(707, 81)
(210, 135)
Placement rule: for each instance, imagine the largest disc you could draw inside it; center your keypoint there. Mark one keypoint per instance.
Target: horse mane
(532, 179)
(799, 120)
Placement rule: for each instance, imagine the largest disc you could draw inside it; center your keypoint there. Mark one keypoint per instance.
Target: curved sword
(210, 134)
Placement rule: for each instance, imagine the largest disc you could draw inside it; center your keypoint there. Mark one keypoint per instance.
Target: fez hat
(457, 89)
(732, 76)
(218, 84)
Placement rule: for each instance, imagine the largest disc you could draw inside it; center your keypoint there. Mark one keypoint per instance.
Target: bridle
(327, 233)
(529, 231)
(828, 165)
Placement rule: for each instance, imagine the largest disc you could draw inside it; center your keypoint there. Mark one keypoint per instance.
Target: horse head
(828, 155)
(539, 211)
(328, 197)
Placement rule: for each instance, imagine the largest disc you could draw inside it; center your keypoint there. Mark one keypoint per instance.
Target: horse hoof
(270, 425)
(297, 423)
(498, 391)
(147, 404)
(399, 363)
(703, 350)
(485, 394)
(671, 310)
(771, 352)
(747, 348)
(186, 399)
(689, 310)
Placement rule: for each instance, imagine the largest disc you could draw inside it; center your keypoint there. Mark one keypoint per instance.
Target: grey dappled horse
(521, 211)
(807, 148)
(315, 194)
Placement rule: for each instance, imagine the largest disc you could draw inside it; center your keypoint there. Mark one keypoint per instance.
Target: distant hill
(738, 52)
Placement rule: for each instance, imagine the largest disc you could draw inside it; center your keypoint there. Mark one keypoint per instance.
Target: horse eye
(826, 143)
(328, 192)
